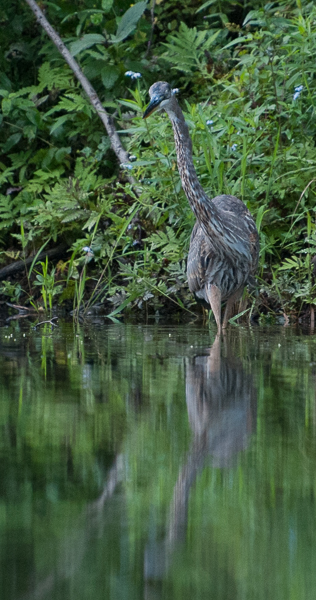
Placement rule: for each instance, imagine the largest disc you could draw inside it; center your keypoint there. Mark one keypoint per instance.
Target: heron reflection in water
(221, 403)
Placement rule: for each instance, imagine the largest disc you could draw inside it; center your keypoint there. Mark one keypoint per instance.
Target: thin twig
(21, 308)
(49, 321)
(152, 13)
(20, 315)
(300, 198)
(312, 316)
(22, 129)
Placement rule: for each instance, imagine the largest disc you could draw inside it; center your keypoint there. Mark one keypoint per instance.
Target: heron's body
(206, 265)
(224, 246)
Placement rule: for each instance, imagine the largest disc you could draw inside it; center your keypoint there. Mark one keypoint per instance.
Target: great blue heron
(224, 245)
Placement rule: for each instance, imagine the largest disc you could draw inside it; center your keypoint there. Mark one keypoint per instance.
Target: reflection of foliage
(72, 399)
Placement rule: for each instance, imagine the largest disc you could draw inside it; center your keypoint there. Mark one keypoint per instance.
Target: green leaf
(11, 141)
(260, 214)
(92, 68)
(61, 153)
(6, 106)
(59, 122)
(87, 40)
(29, 132)
(5, 82)
(93, 219)
(206, 5)
(109, 75)
(107, 5)
(50, 78)
(73, 216)
(291, 263)
(239, 40)
(255, 17)
(96, 19)
(36, 255)
(129, 21)
(119, 309)
(243, 312)
(186, 49)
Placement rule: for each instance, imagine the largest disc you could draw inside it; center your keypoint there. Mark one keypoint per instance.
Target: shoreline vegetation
(92, 214)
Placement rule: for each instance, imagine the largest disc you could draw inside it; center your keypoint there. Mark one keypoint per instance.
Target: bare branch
(20, 265)
(49, 321)
(116, 144)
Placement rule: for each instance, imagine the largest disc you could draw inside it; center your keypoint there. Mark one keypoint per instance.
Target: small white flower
(209, 122)
(234, 147)
(126, 166)
(175, 91)
(298, 91)
(133, 75)
(87, 249)
(132, 157)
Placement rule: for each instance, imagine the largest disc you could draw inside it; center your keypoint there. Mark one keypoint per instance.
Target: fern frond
(186, 49)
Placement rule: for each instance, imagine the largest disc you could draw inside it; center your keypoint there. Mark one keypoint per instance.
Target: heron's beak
(152, 106)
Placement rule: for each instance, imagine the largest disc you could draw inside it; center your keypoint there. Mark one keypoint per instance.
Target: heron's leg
(214, 298)
(230, 304)
(214, 359)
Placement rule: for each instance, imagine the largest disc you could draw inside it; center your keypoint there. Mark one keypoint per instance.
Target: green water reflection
(157, 462)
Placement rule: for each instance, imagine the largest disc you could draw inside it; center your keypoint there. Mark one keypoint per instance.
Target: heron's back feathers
(228, 270)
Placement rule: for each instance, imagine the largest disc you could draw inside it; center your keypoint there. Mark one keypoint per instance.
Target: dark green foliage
(247, 84)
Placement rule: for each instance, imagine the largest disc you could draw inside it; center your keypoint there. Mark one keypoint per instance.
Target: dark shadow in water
(73, 546)
(221, 403)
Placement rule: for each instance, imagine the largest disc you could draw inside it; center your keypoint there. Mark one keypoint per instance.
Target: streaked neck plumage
(213, 221)
(190, 183)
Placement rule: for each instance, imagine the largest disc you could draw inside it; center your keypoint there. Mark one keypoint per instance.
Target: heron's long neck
(215, 223)
(190, 183)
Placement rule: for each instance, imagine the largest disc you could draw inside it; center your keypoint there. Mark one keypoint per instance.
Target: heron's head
(161, 96)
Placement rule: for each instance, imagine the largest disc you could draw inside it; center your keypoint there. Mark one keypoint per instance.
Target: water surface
(157, 462)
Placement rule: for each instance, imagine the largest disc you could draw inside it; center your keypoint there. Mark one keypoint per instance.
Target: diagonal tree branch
(116, 143)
